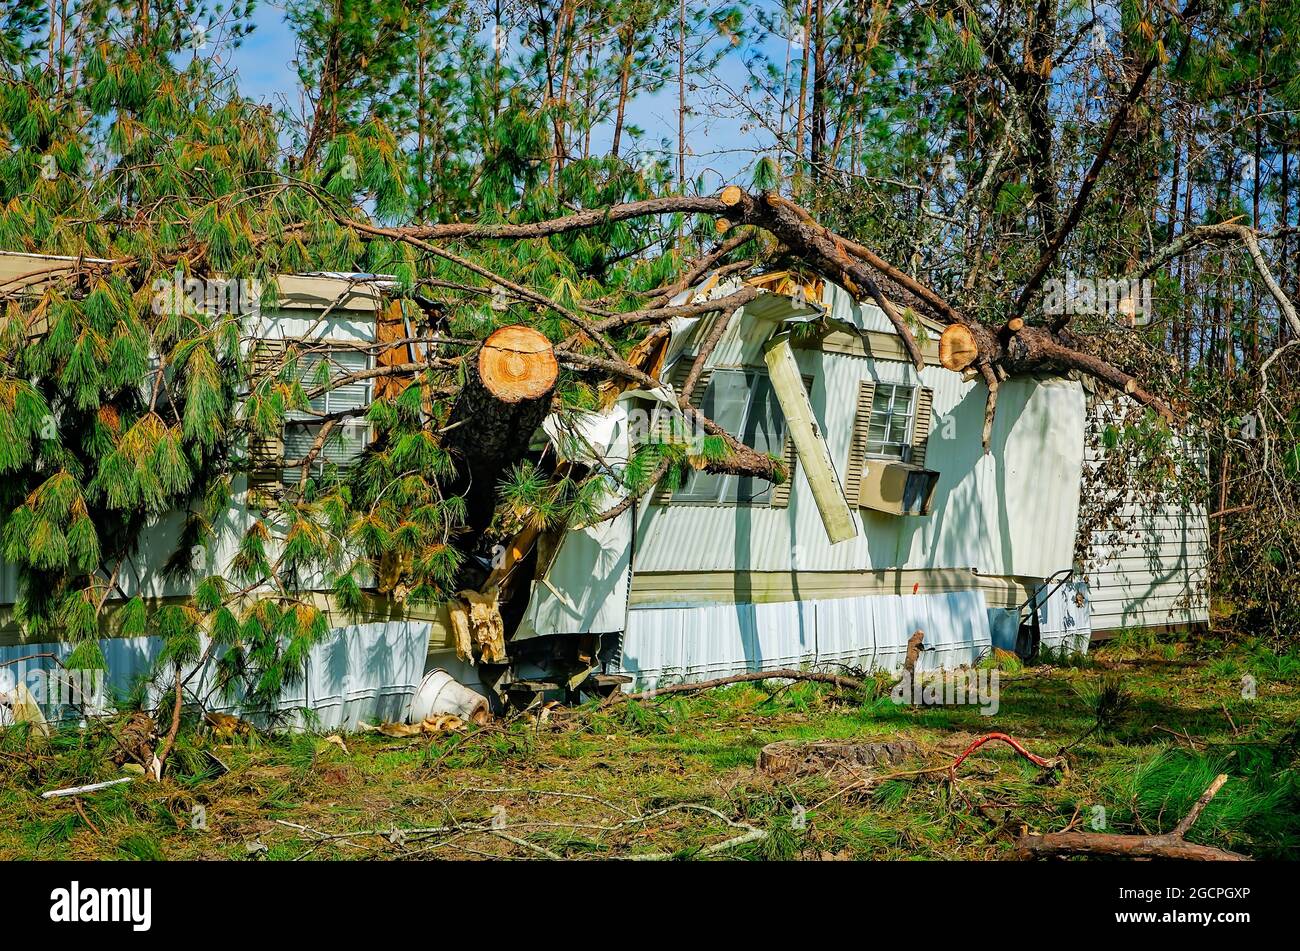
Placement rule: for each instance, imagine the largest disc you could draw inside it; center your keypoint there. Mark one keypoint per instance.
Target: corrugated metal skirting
(699, 642)
(360, 673)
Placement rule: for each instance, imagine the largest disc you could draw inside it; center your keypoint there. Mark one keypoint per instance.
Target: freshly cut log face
(493, 420)
(517, 364)
(957, 347)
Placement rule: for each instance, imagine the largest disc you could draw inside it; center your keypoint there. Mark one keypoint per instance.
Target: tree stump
(802, 759)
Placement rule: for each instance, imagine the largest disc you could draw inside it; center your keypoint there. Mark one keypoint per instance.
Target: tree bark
(504, 400)
(1113, 845)
(1171, 845)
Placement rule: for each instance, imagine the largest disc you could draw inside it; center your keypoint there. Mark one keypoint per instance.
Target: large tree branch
(1022, 350)
(1222, 231)
(592, 218)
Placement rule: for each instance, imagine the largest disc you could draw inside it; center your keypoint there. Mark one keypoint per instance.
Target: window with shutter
(348, 439)
(884, 458)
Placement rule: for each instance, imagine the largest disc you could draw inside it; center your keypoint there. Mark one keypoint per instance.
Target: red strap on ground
(1036, 760)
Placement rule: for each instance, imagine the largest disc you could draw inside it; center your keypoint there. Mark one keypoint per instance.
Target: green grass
(1146, 725)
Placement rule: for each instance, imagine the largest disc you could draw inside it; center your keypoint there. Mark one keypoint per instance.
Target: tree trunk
(504, 400)
(818, 149)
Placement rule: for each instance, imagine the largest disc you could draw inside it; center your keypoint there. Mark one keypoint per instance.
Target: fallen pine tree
(125, 404)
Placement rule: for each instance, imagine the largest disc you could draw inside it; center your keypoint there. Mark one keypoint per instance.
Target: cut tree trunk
(957, 348)
(505, 399)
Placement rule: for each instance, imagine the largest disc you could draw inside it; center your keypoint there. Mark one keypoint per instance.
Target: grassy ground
(676, 776)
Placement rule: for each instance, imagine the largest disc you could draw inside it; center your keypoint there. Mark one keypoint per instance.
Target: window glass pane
(745, 404)
(724, 402)
(344, 445)
(885, 450)
(890, 428)
(765, 424)
(309, 377)
(341, 363)
(298, 440)
(352, 395)
(700, 486)
(725, 398)
(765, 431)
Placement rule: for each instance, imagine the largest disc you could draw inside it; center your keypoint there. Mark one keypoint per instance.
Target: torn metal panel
(584, 587)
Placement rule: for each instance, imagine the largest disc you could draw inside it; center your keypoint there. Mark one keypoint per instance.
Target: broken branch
(1170, 845)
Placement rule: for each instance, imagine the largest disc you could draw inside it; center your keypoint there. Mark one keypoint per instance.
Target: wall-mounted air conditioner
(898, 488)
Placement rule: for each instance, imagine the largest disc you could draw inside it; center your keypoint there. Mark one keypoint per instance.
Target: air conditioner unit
(898, 488)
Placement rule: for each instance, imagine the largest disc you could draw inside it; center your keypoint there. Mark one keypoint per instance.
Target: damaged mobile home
(894, 519)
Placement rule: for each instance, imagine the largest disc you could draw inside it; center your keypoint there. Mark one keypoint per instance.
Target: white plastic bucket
(439, 692)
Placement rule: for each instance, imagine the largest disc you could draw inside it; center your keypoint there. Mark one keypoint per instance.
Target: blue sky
(265, 60)
(724, 147)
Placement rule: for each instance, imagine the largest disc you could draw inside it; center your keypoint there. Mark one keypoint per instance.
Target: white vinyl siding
(1152, 570)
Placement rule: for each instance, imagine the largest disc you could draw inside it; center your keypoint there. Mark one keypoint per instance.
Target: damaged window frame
(728, 488)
